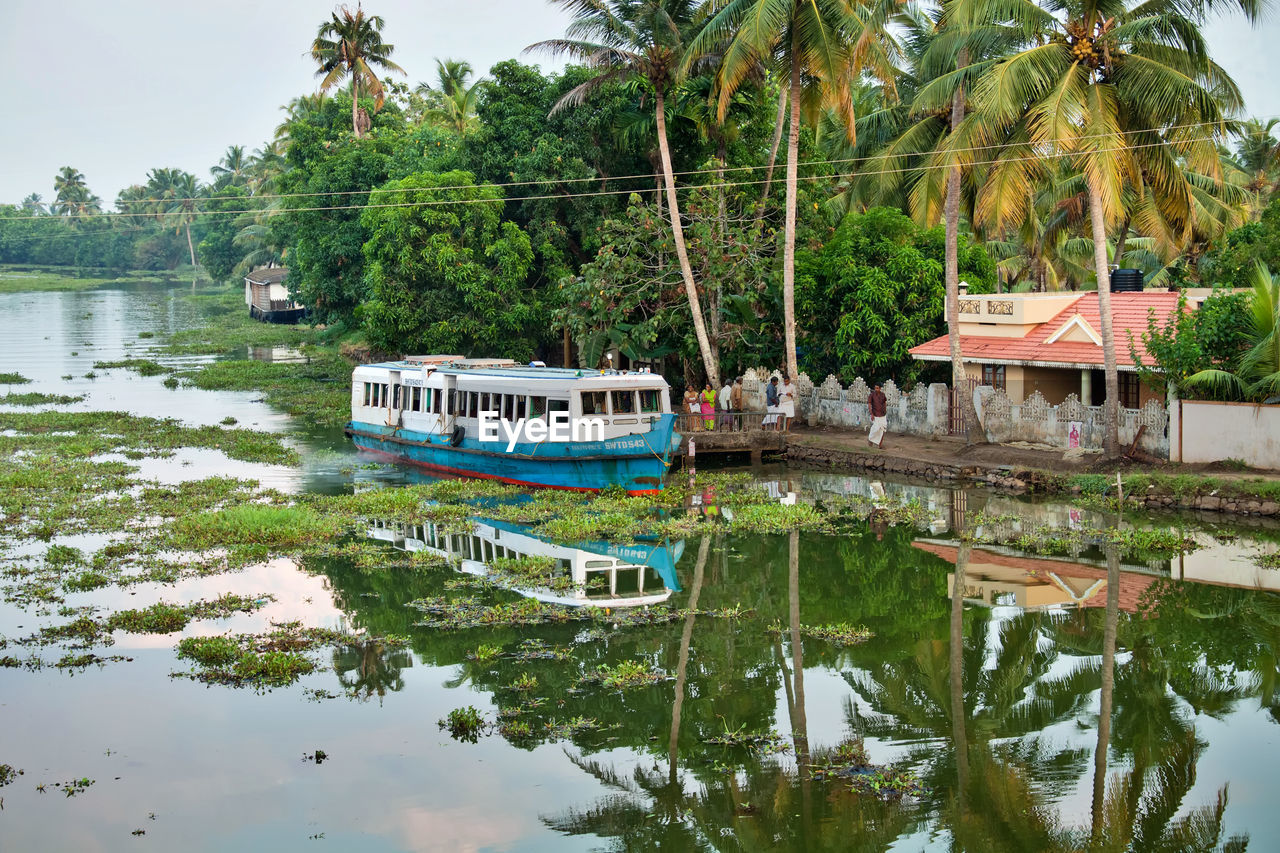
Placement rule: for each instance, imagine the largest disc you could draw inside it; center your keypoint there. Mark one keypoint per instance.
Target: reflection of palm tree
(368, 668)
(682, 668)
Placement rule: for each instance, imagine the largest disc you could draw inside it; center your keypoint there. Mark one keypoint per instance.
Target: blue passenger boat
(536, 426)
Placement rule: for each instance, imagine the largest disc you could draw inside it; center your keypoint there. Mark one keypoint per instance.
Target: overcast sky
(115, 89)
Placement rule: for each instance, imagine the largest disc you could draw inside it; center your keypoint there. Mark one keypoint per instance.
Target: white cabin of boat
(435, 394)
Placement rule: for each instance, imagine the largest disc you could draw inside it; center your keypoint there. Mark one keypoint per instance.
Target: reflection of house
(268, 298)
(1030, 582)
(1052, 343)
(602, 574)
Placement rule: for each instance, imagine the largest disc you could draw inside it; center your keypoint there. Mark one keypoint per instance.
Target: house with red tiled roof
(1052, 343)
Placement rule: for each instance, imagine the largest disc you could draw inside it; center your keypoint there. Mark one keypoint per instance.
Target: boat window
(520, 406)
(433, 401)
(395, 396)
(509, 406)
(537, 407)
(484, 402)
(593, 403)
(452, 402)
(554, 405)
(473, 404)
(385, 397)
(368, 387)
(598, 564)
(417, 399)
(650, 401)
(624, 402)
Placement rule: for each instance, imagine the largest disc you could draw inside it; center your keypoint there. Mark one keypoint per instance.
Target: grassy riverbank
(17, 279)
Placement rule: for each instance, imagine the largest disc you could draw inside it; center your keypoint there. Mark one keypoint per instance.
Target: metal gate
(957, 412)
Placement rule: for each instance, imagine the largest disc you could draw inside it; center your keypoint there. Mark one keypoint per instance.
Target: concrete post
(1086, 387)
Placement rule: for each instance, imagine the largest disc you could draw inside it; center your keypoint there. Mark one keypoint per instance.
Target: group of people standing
(718, 407)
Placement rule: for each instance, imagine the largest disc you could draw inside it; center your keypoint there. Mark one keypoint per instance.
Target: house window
(993, 375)
(1129, 392)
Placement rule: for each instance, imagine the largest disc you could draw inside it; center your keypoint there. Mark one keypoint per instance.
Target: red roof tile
(1129, 313)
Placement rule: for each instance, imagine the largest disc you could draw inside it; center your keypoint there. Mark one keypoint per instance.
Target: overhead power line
(550, 196)
(606, 179)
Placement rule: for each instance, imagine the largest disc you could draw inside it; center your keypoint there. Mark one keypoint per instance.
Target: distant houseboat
(268, 298)
(538, 426)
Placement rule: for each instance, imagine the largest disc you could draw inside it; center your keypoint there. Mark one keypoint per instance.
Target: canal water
(984, 677)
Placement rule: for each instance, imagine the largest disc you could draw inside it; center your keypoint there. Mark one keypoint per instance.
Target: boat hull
(636, 462)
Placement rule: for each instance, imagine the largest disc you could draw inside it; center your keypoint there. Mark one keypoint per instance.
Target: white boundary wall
(1212, 432)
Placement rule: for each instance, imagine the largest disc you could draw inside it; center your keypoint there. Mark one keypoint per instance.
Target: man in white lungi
(879, 417)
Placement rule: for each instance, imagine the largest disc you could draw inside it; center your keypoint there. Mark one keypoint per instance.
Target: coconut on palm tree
(350, 45)
(645, 40)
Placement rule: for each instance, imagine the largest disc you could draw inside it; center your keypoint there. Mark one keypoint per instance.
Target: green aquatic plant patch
(252, 524)
(35, 398)
(141, 366)
(13, 379)
(318, 391)
(121, 432)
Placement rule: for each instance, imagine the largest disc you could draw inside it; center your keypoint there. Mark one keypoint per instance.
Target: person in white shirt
(724, 404)
(787, 401)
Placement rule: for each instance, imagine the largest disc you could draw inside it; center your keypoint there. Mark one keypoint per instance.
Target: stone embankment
(1212, 495)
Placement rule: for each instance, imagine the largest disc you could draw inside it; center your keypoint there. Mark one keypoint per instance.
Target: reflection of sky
(222, 769)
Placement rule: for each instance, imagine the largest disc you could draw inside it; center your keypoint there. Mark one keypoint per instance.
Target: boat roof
(589, 377)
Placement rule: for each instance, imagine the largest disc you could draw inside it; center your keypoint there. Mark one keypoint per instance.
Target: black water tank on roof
(1126, 281)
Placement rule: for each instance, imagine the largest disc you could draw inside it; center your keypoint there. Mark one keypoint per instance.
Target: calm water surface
(1005, 751)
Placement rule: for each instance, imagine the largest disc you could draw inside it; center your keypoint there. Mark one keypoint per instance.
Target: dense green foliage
(875, 290)
(1213, 336)
(446, 276)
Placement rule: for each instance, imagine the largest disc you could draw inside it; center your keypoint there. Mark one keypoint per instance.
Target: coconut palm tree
(232, 169)
(453, 99)
(73, 196)
(34, 204)
(174, 196)
(350, 44)
(1128, 92)
(819, 47)
(645, 39)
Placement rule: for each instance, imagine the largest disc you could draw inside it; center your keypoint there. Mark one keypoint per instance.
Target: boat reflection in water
(602, 574)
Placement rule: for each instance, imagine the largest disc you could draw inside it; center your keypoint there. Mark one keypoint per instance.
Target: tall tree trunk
(355, 107)
(1105, 699)
(789, 229)
(959, 378)
(1111, 407)
(190, 248)
(1120, 241)
(682, 668)
(715, 293)
(773, 149)
(677, 231)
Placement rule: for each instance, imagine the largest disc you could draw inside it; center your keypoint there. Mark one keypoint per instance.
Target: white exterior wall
(1212, 432)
